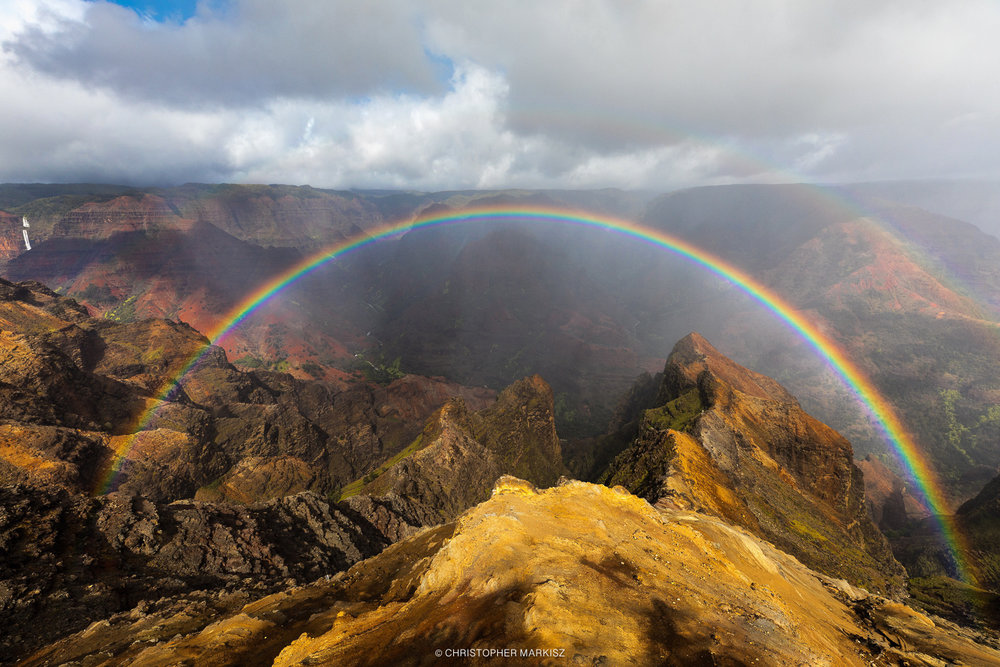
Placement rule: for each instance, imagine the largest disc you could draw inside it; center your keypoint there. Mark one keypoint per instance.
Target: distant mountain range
(913, 296)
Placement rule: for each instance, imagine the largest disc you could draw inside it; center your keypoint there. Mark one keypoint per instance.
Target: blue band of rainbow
(897, 436)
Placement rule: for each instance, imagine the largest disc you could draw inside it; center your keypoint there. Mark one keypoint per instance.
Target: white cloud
(250, 53)
(47, 15)
(456, 140)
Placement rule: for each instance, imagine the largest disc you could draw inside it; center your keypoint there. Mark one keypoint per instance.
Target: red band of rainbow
(899, 440)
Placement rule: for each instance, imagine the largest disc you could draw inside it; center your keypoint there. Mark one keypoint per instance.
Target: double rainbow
(826, 347)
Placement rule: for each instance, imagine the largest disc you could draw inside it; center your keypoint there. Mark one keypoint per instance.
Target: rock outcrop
(725, 440)
(72, 388)
(979, 520)
(578, 574)
(69, 560)
(890, 503)
(11, 239)
(251, 448)
(460, 454)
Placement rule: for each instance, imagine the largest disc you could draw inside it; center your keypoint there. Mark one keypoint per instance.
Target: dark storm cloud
(720, 70)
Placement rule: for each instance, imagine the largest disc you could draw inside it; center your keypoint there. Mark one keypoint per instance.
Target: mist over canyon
(319, 478)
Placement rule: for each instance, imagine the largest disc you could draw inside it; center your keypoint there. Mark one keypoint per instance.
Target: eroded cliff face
(70, 559)
(72, 388)
(927, 556)
(278, 216)
(230, 485)
(589, 574)
(979, 521)
(270, 215)
(461, 453)
(103, 219)
(890, 503)
(11, 238)
(725, 440)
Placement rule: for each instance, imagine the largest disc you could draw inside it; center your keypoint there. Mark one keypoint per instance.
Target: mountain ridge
(725, 440)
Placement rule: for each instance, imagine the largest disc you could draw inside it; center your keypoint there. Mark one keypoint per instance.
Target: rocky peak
(520, 429)
(455, 461)
(693, 355)
(757, 415)
(23, 302)
(726, 440)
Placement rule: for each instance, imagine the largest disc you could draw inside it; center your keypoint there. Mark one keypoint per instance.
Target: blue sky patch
(162, 11)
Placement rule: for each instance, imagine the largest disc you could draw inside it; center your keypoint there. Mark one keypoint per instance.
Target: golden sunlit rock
(576, 574)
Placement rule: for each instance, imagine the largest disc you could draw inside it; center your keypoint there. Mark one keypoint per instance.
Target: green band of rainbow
(901, 443)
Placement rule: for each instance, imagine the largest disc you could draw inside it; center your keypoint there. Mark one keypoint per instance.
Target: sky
(450, 94)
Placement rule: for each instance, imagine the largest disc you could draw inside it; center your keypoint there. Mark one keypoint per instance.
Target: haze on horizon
(443, 94)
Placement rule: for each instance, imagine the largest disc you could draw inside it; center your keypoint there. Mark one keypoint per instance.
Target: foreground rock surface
(590, 574)
(69, 560)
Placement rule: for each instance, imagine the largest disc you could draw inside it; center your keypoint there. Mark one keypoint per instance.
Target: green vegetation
(212, 491)
(280, 365)
(967, 433)
(641, 468)
(124, 312)
(312, 368)
(378, 370)
(957, 433)
(153, 354)
(807, 531)
(355, 487)
(13, 195)
(576, 418)
(955, 600)
(678, 414)
(214, 484)
(250, 361)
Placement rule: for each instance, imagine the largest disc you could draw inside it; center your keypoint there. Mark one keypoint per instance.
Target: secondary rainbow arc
(897, 436)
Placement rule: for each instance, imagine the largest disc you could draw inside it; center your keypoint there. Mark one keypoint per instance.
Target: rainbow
(897, 436)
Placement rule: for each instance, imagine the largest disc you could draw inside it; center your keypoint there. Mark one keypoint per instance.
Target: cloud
(441, 94)
(243, 54)
(92, 136)
(455, 140)
(729, 68)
